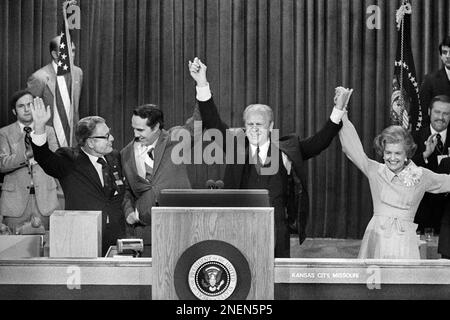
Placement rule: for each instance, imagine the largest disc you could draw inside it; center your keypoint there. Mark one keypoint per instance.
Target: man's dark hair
(53, 46)
(152, 113)
(16, 96)
(442, 98)
(444, 43)
(85, 128)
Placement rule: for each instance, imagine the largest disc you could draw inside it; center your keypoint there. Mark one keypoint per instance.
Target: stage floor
(325, 248)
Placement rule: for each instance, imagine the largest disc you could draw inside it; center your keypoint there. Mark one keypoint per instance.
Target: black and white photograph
(241, 151)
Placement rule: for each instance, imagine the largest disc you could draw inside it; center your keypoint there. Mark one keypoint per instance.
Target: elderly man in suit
(42, 83)
(28, 194)
(149, 167)
(433, 143)
(90, 174)
(287, 183)
(438, 82)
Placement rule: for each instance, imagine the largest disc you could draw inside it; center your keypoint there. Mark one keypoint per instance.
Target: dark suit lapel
(130, 164)
(443, 76)
(159, 149)
(86, 168)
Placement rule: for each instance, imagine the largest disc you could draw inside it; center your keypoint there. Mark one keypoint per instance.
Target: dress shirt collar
(93, 159)
(55, 67)
(263, 150)
(21, 125)
(143, 149)
(443, 134)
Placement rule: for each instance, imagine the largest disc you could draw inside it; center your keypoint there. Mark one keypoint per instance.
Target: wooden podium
(184, 238)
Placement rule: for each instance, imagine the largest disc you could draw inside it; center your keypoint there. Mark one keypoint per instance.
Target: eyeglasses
(102, 137)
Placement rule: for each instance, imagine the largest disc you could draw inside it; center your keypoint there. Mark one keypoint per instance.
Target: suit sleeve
(314, 145)
(11, 161)
(51, 139)
(418, 155)
(56, 164)
(128, 203)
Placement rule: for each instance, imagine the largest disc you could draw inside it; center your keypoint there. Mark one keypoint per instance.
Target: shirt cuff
(39, 139)
(203, 93)
(336, 115)
(137, 214)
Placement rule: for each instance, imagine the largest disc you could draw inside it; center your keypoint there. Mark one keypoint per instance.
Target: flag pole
(66, 4)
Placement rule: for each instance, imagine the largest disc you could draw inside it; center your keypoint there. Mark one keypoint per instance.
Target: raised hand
(41, 115)
(198, 72)
(430, 145)
(342, 97)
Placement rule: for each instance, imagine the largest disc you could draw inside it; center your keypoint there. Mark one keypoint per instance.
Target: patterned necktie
(258, 164)
(29, 149)
(106, 172)
(439, 145)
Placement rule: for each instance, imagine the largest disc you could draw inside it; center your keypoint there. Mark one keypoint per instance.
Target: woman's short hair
(86, 127)
(395, 135)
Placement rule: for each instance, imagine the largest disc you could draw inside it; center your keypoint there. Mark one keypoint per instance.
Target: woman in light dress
(397, 187)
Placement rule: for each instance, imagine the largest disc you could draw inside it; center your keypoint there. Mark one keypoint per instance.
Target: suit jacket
(431, 206)
(296, 149)
(83, 189)
(143, 194)
(444, 235)
(15, 188)
(434, 84)
(42, 83)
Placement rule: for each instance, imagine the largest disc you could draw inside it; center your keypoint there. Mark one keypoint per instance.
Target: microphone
(219, 184)
(210, 184)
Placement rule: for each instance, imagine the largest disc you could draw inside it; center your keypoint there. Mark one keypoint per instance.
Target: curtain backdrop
(289, 54)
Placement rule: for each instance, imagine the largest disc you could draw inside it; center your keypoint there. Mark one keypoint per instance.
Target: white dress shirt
(142, 158)
(443, 134)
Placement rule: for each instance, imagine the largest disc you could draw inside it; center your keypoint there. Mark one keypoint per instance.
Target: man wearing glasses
(28, 195)
(90, 173)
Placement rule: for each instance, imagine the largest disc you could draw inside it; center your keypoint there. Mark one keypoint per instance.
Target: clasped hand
(342, 97)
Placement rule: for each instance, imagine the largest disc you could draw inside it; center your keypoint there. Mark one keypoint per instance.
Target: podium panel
(212, 253)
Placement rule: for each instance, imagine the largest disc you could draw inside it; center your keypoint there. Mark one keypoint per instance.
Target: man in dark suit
(286, 182)
(438, 82)
(90, 174)
(433, 143)
(149, 166)
(444, 235)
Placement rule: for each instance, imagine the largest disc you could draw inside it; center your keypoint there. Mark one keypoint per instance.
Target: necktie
(29, 149)
(439, 145)
(150, 153)
(258, 164)
(107, 181)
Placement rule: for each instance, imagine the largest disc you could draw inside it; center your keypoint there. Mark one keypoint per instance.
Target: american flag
(63, 110)
(64, 57)
(406, 109)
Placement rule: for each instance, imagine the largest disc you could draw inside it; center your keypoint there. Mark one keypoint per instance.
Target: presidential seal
(212, 277)
(212, 270)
